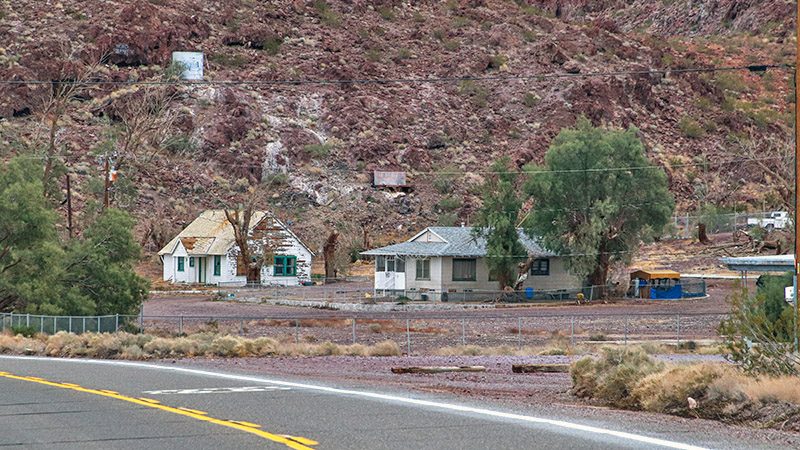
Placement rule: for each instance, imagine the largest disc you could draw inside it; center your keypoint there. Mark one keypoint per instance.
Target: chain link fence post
(180, 325)
(519, 332)
(296, 331)
(626, 329)
(116, 323)
(463, 332)
(408, 336)
(353, 322)
(572, 331)
(678, 329)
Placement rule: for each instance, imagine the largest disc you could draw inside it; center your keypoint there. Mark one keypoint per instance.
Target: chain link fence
(416, 335)
(684, 226)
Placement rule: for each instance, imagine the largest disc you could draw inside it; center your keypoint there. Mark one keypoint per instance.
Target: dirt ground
(498, 385)
(422, 332)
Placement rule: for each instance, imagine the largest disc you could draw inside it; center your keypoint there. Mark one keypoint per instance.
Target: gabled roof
(458, 241)
(211, 234)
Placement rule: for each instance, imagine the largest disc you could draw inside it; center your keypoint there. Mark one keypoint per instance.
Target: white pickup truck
(776, 220)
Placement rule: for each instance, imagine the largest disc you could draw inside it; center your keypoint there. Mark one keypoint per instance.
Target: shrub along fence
(417, 333)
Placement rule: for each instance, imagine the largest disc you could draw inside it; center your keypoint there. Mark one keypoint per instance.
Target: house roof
(458, 241)
(655, 274)
(769, 263)
(211, 234)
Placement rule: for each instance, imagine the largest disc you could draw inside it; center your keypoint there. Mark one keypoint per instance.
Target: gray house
(441, 263)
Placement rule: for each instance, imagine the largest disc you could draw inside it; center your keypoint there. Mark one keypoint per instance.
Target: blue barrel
(529, 293)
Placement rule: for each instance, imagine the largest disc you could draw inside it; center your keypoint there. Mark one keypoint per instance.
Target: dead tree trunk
(329, 253)
(702, 236)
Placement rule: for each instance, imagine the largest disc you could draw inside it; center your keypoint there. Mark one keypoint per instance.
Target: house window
(464, 269)
(424, 269)
(180, 264)
(540, 267)
(217, 265)
(284, 266)
(389, 264)
(191, 261)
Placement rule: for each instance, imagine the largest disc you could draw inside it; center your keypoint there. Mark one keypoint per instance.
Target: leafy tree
(758, 334)
(28, 239)
(596, 198)
(101, 265)
(40, 274)
(497, 222)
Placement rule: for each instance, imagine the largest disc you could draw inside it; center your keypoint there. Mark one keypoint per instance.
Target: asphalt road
(57, 403)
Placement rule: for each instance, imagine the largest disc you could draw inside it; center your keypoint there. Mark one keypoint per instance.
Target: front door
(201, 270)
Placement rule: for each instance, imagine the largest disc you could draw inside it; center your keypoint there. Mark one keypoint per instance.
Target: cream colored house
(449, 263)
(205, 252)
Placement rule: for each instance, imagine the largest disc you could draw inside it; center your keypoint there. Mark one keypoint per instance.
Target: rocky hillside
(314, 145)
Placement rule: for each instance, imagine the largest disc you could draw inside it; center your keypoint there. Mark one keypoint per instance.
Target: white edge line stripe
(393, 398)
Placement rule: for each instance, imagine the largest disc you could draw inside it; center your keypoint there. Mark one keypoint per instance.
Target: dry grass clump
(633, 380)
(668, 391)
(612, 377)
(503, 350)
(140, 346)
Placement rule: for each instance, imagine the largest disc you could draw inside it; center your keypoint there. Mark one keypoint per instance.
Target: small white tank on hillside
(192, 62)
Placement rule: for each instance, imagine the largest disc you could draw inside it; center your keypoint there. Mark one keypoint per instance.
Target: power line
(409, 80)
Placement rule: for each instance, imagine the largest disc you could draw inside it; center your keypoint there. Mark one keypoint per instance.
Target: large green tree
(597, 197)
(40, 274)
(29, 250)
(496, 221)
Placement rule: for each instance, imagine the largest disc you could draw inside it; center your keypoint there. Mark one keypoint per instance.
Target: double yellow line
(293, 442)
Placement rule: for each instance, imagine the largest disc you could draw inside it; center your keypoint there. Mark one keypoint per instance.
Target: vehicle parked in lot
(776, 220)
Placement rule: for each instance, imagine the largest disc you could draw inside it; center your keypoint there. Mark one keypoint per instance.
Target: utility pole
(796, 171)
(69, 207)
(106, 182)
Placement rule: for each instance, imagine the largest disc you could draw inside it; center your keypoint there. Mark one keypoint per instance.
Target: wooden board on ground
(438, 369)
(540, 368)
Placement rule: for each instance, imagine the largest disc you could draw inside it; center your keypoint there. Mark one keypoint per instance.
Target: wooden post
(106, 182)
(69, 208)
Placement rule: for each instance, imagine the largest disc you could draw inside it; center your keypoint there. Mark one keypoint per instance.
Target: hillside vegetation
(181, 149)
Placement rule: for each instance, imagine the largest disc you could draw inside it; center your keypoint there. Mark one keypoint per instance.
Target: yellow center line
(293, 442)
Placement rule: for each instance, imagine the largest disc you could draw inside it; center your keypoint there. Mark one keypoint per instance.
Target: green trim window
(191, 261)
(284, 266)
(423, 269)
(181, 264)
(540, 267)
(217, 265)
(465, 269)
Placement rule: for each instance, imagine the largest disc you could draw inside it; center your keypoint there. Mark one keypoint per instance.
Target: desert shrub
(531, 99)
(598, 337)
(385, 348)
(691, 128)
(447, 219)
(448, 204)
(24, 330)
(375, 327)
(497, 61)
(757, 332)
(387, 13)
(326, 15)
(272, 45)
(229, 61)
(612, 377)
(317, 151)
(668, 391)
(444, 181)
(227, 346)
(478, 94)
(180, 144)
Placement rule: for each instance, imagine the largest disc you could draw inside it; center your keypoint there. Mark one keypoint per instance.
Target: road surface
(68, 403)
